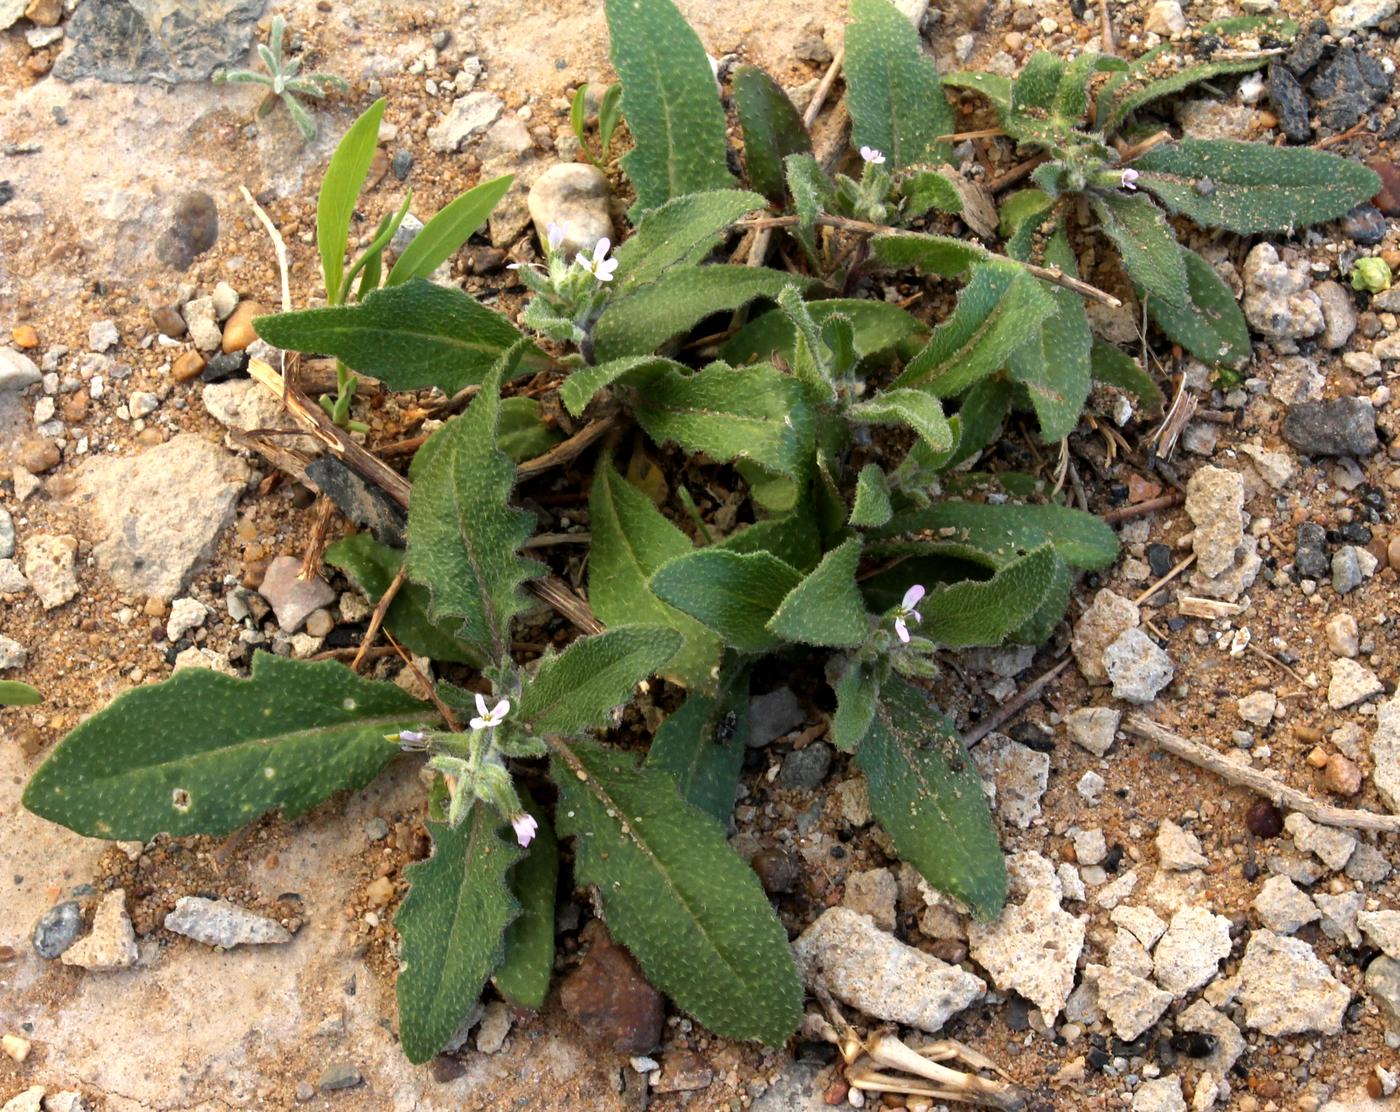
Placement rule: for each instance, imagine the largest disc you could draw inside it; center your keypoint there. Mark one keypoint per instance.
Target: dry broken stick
(1235, 772)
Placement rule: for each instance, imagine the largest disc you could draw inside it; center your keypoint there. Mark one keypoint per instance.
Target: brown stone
(38, 455)
(1341, 776)
(44, 13)
(76, 406)
(168, 319)
(188, 366)
(238, 329)
(610, 999)
(40, 63)
(1388, 199)
(1393, 552)
(24, 336)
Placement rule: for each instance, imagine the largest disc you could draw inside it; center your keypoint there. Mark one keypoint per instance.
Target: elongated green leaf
(773, 129)
(920, 411)
(929, 190)
(877, 326)
(1023, 205)
(1040, 626)
(979, 418)
(946, 256)
(702, 746)
(1145, 241)
(826, 607)
(609, 113)
(523, 977)
(442, 236)
(1117, 369)
(1210, 325)
(1072, 96)
(691, 912)
(13, 693)
(926, 793)
(584, 383)
(993, 86)
(1153, 76)
(1054, 365)
(579, 689)
(204, 753)
(967, 614)
(680, 233)
(1038, 82)
(792, 537)
(631, 539)
(751, 413)
(871, 505)
(373, 566)
(678, 300)
(857, 691)
(893, 93)
(340, 189)
(463, 534)
(731, 593)
(521, 429)
(812, 191)
(452, 923)
(409, 336)
(995, 312)
(1004, 532)
(1253, 187)
(369, 265)
(670, 102)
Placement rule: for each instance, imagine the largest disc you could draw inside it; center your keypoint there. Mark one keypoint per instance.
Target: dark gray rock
(402, 163)
(773, 714)
(1342, 427)
(366, 505)
(1348, 87)
(804, 769)
(1290, 104)
(1309, 48)
(1364, 224)
(224, 365)
(57, 929)
(193, 228)
(173, 41)
(1310, 554)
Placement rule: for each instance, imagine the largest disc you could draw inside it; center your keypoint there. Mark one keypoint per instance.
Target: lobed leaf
(680, 233)
(734, 594)
(443, 236)
(1210, 325)
(826, 608)
(773, 129)
(340, 189)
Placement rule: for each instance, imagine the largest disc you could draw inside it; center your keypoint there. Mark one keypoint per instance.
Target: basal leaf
(631, 539)
(1210, 325)
(927, 794)
(857, 691)
(523, 977)
(1253, 187)
(812, 191)
(578, 689)
(463, 534)
(893, 93)
(972, 613)
(452, 923)
(1072, 96)
(522, 432)
(584, 383)
(993, 86)
(826, 607)
(1117, 369)
(669, 101)
(409, 336)
(920, 411)
(13, 693)
(731, 593)
(1037, 83)
(946, 256)
(877, 326)
(792, 537)
(871, 505)
(995, 312)
(1145, 241)
(773, 129)
(929, 190)
(373, 566)
(680, 233)
(981, 412)
(1158, 73)
(1004, 532)
(702, 746)
(205, 753)
(1040, 626)
(687, 907)
(340, 189)
(443, 236)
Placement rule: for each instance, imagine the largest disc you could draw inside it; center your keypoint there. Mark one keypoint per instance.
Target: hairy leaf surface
(731, 593)
(961, 615)
(773, 129)
(1210, 325)
(702, 745)
(1146, 242)
(523, 977)
(826, 608)
(1004, 532)
(680, 233)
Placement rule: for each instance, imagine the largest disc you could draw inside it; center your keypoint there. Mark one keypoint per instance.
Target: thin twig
(566, 451)
(316, 546)
(823, 89)
(433, 697)
(1272, 659)
(1142, 509)
(1262, 783)
(981, 133)
(1152, 590)
(549, 540)
(1019, 172)
(1005, 713)
(377, 618)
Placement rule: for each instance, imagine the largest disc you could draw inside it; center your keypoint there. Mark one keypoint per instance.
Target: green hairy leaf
(773, 129)
(522, 432)
(732, 593)
(205, 753)
(523, 978)
(584, 383)
(993, 86)
(929, 190)
(609, 113)
(926, 793)
(1006, 531)
(702, 746)
(1153, 76)
(578, 689)
(995, 312)
(792, 537)
(1210, 325)
(373, 566)
(452, 923)
(677, 301)
(945, 256)
(876, 327)
(1253, 187)
(1038, 83)
(1072, 96)
(1040, 626)
(812, 191)
(442, 236)
(409, 336)
(857, 690)
(692, 913)
(979, 417)
(463, 534)
(971, 613)
(751, 413)
(1117, 369)
(871, 506)
(340, 189)
(921, 412)
(893, 93)
(631, 539)
(13, 693)
(1145, 241)
(670, 103)
(826, 608)
(680, 233)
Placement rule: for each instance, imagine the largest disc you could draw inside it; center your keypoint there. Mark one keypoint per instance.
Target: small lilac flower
(489, 719)
(1130, 177)
(871, 155)
(906, 611)
(412, 737)
(524, 826)
(556, 233)
(600, 266)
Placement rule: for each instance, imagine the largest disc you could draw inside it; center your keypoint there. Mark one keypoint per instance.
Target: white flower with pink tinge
(489, 719)
(1130, 177)
(906, 611)
(600, 266)
(556, 234)
(872, 156)
(525, 827)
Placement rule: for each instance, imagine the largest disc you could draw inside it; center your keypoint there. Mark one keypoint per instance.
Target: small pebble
(1341, 775)
(1263, 819)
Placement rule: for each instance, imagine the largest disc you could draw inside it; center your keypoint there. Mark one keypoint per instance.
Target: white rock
(873, 892)
(1229, 1043)
(1258, 708)
(1178, 850)
(102, 335)
(873, 971)
(1090, 847)
(1275, 468)
(1385, 753)
(1329, 845)
(1138, 667)
(220, 923)
(1283, 906)
(111, 944)
(1071, 883)
(1351, 683)
(1144, 923)
(495, 1026)
(1128, 955)
(469, 115)
(17, 370)
(1031, 949)
(185, 614)
(12, 653)
(1163, 1094)
(1113, 894)
(1093, 728)
(1215, 503)
(1343, 635)
(573, 195)
(1286, 989)
(1360, 14)
(197, 656)
(1106, 619)
(29, 1099)
(48, 565)
(143, 403)
(1130, 1003)
(1339, 915)
(1090, 786)
(1190, 952)
(1027, 872)
(225, 300)
(1019, 773)
(1278, 299)
(1382, 928)
(203, 324)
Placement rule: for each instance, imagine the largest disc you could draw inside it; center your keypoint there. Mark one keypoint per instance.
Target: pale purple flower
(524, 826)
(872, 156)
(600, 266)
(1130, 177)
(906, 612)
(489, 719)
(412, 737)
(556, 234)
